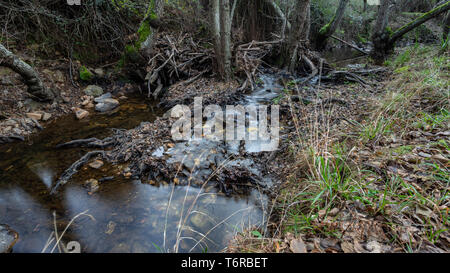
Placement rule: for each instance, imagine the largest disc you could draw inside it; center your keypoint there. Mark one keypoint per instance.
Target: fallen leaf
(298, 246)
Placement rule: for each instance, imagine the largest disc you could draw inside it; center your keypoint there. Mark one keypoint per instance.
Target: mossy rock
(85, 74)
(93, 90)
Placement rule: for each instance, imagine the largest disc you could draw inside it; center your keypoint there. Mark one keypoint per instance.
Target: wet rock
(107, 105)
(96, 164)
(35, 116)
(110, 228)
(8, 238)
(103, 97)
(199, 220)
(92, 185)
(80, 113)
(93, 90)
(104, 179)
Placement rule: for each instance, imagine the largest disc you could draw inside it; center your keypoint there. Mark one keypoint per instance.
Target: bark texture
(329, 29)
(30, 76)
(384, 39)
(148, 28)
(276, 9)
(221, 17)
(380, 36)
(298, 36)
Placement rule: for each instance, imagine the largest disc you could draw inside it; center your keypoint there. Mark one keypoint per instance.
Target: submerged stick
(88, 143)
(67, 174)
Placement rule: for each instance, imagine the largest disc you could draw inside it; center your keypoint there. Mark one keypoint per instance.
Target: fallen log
(35, 85)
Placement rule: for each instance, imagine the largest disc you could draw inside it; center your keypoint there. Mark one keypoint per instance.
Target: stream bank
(115, 206)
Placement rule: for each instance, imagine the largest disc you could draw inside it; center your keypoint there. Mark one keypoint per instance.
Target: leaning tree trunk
(148, 29)
(384, 41)
(419, 21)
(277, 10)
(298, 36)
(446, 31)
(329, 29)
(30, 76)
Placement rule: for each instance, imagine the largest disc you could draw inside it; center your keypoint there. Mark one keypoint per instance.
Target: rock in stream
(8, 238)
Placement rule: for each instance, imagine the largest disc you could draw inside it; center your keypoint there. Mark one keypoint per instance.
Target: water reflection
(127, 216)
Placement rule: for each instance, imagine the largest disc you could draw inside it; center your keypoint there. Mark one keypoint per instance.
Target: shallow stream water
(124, 215)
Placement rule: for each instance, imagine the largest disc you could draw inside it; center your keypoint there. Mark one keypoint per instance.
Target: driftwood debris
(176, 58)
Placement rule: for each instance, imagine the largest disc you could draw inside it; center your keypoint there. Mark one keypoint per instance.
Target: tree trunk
(215, 22)
(365, 6)
(147, 30)
(276, 9)
(30, 76)
(417, 22)
(384, 41)
(446, 27)
(225, 35)
(380, 37)
(329, 29)
(221, 17)
(445, 32)
(298, 36)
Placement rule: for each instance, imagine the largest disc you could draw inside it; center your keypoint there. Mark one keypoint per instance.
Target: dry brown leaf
(298, 246)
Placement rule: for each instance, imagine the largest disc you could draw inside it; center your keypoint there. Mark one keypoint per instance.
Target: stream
(124, 215)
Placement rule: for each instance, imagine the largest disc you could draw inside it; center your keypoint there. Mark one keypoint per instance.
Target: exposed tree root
(88, 143)
(67, 174)
(9, 139)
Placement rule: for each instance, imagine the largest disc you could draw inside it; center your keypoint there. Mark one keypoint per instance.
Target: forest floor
(371, 166)
(364, 167)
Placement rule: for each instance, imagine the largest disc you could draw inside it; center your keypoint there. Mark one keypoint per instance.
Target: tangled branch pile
(95, 30)
(249, 57)
(175, 58)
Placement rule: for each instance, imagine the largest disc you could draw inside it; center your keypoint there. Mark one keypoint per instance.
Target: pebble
(80, 113)
(46, 116)
(96, 164)
(8, 238)
(107, 105)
